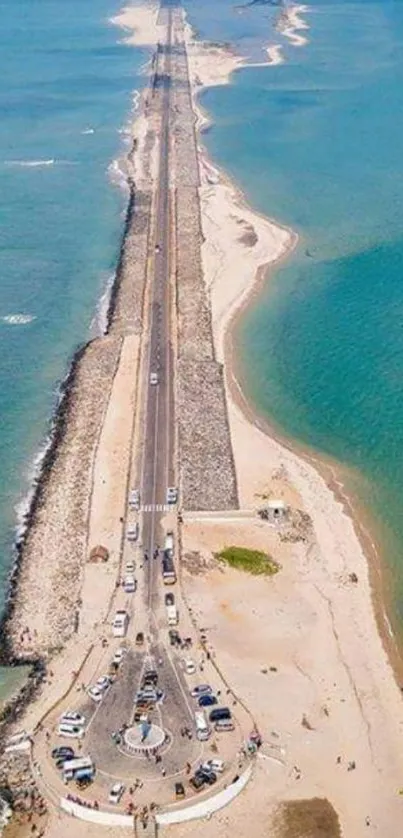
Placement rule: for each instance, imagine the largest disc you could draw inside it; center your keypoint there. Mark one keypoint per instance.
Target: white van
(120, 624)
(203, 730)
(71, 731)
(169, 543)
(129, 584)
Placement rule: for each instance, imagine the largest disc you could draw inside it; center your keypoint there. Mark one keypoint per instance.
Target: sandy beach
(301, 648)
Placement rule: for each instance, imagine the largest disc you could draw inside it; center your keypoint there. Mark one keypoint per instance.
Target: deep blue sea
(66, 90)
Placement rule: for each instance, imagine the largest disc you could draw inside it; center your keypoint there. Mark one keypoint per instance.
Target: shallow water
(66, 90)
(316, 144)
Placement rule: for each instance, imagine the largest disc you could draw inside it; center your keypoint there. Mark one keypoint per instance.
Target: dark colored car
(150, 678)
(207, 700)
(139, 638)
(179, 790)
(83, 783)
(169, 599)
(208, 777)
(174, 637)
(220, 713)
(63, 751)
(197, 782)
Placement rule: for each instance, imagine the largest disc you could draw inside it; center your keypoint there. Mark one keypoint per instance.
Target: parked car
(132, 532)
(169, 599)
(150, 677)
(130, 567)
(172, 495)
(197, 782)
(61, 762)
(206, 700)
(174, 637)
(190, 666)
(62, 751)
(116, 793)
(76, 718)
(201, 689)
(216, 765)
(134, 499)
(118, 656)
(220, 713)
(153, 378)
(179, 790)
(139, 638)
(83, 783)
(209, 777)
(103, 682)
(96, 693)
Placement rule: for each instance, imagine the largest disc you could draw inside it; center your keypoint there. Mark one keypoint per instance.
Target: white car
(129, 584)
(132, 532)
(190, 667)
(153, 378)
(134, 499)
(172, 494)
(130, 568)
(75, 718)
(216, 765)
(103, 683)
(118, 656)
(116, 793)
(96, 693)
(201, 689)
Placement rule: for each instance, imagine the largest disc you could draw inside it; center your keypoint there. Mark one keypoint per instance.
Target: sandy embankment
(333, 699)
(290, 24)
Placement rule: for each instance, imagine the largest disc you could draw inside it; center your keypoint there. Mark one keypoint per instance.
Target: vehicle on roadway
(153, 378)
(116, 793)
(129, 584)
(169, 599)
(130, 567)
(201, 689)
(189, 666)
(103, 682)
(118, 656)
(134, 499)
(215, 765)
(172, 495)
(168, 569)
(70, 731)
(206, 700)
(169, 543)
(132, 532)
(120, 623)
(61, 751)
(203, 731)
(150, 677)
(172, 615)
(70, 716)
(220, 713)
(139, 638)
(174, 637)
(96, 693)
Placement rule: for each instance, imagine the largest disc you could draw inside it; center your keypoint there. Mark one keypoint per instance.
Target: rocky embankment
(207, 470)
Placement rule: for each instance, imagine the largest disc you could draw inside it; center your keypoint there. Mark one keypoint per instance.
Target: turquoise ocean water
(66, 90)
(317, 144)
(314, 142)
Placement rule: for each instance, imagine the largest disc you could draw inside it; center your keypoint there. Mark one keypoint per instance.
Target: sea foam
(18, 319)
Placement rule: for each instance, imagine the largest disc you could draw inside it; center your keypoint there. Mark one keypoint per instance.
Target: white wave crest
(99, 322)
(18, 319)
(30, 164)
(118, 175)
(88, 131)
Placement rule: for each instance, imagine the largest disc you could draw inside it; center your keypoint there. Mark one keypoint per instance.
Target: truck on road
(168, 569)
(169, 544)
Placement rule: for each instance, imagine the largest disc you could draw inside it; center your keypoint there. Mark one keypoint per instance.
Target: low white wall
(198, 810)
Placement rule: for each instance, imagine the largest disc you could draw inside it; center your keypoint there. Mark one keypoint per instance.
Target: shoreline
(331, 472)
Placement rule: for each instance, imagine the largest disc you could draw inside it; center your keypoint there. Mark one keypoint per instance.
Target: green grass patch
(253, 561)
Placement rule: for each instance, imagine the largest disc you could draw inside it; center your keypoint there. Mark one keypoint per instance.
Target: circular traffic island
(143, 739)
